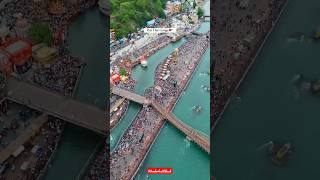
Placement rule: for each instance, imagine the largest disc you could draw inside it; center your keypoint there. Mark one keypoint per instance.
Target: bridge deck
(129, 95)
(59, 106)
(194, 135)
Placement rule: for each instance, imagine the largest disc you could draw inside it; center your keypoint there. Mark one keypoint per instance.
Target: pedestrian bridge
(130, 96)
(62, 107)
(199, 138)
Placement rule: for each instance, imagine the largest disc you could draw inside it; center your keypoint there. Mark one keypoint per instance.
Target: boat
(196, 108)
(280, 152)
(315, 86)
(176, 38)
(206, 88)
(144, 63)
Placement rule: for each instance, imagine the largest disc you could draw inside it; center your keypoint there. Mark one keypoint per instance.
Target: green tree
(200, 12)
(122, 72)
(40, 33)
(128, 15)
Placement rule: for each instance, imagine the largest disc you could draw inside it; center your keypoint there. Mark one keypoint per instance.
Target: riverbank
(146, 51)
(242, 50)
(152, 121)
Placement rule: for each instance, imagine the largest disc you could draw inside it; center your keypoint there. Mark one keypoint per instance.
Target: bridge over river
(62, 107)
(199, 138)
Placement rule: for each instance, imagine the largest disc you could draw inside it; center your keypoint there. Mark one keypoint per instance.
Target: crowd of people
(60, 77)
(14, 119)
(239, 32)
(135, 140)
(37, 152)
(47, 141)
(100, 169)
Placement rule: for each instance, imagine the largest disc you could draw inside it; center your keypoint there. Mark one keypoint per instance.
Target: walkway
(31, 130)
(130, 95)
(192, 134)
(56, 105)
(118, 103)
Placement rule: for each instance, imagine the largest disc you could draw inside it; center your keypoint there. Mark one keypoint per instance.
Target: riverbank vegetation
(128, 15)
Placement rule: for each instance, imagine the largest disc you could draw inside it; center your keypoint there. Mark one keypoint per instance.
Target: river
(272, 109)
(171, 148)
(77, 144)
(87, 39)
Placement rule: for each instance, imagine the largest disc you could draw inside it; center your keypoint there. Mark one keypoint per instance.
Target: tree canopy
(40, 33)
(200, 12)
(128, 15)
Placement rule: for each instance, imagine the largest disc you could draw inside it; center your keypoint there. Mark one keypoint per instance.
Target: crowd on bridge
(239, 32)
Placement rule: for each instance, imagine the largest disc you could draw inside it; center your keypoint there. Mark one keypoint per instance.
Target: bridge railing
(180, 123)
(57, 115)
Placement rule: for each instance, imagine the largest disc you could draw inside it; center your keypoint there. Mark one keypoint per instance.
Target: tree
(40, 33)
(200, 12)
(122, 72)
(128, 15)
(194, 4)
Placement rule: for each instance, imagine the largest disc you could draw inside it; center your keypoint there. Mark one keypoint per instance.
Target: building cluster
(172, 7)
(112, 36)
(117, 74)
(18, 52)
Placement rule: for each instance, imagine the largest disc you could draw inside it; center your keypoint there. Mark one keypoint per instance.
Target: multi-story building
(112, 36)
(177, 6)
(19, 53)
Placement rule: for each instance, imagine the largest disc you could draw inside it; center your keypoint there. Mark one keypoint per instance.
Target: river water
(144, 78)
(171, 148)
(77, 143)
(271, 108)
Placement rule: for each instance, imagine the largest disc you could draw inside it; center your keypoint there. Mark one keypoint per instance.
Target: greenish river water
(272, 109)
(144, 78)
(171, 148)
(77, 143)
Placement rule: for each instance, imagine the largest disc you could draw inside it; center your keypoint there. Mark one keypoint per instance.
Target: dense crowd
(100, 168)
(47, 140)
(14, 119)
(37, 152)
(3, 83)
(239, 31)
(146, 123)
(62, 75)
